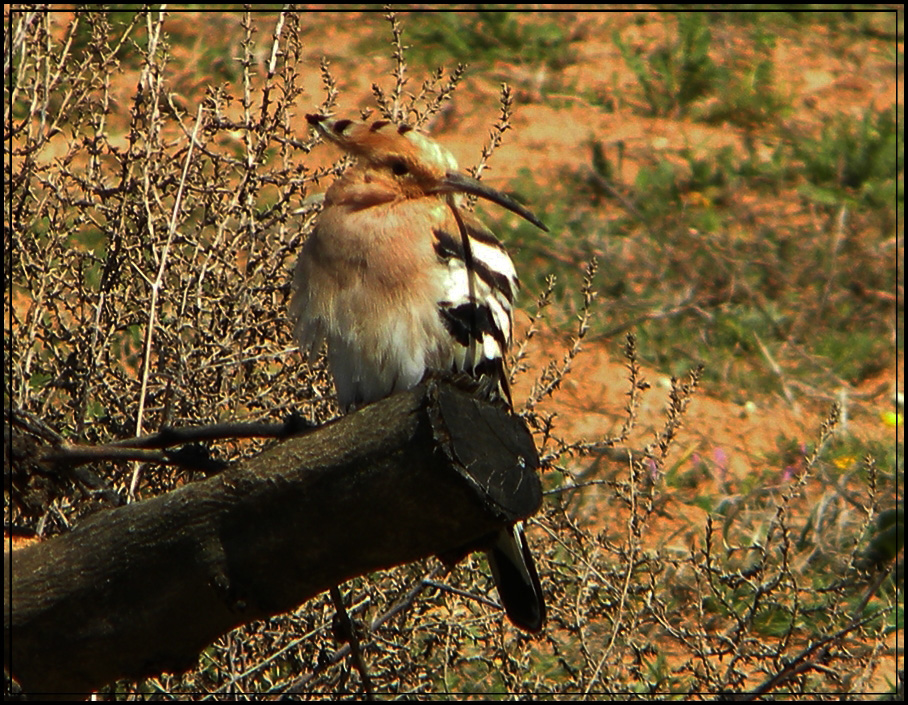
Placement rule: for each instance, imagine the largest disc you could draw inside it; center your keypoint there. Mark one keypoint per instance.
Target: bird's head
(399, 158)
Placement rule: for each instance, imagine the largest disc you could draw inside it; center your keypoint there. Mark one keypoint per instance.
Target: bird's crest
(382, 143)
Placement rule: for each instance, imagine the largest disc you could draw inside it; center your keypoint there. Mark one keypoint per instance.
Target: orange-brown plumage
(399, 281)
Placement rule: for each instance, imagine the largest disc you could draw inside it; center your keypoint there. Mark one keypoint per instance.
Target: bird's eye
(399, 167)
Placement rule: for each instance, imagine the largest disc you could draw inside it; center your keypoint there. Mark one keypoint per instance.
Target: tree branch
(143, 588)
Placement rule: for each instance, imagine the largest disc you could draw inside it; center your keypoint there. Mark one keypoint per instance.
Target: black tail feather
(517, 580)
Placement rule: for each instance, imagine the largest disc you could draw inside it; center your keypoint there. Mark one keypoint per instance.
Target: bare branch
(144, 587)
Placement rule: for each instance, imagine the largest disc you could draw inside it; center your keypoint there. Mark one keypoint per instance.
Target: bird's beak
(455, 182)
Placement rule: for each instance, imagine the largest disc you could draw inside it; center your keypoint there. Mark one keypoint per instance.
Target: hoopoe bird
(401, 281)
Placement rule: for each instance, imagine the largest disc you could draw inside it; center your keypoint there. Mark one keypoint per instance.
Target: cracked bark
(143, 588)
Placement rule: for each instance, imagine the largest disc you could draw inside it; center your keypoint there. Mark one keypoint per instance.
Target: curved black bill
(456, 182)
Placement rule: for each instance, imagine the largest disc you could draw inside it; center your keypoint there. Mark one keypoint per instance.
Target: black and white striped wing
(479, 291)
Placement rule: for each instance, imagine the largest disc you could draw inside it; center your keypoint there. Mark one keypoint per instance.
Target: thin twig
(776, 370)
(553, 374)
(463, 593)
(542, 302)
(155, 288)
(300, 684)
(496, 136)
(800, 664)
(348, 634)
(634, 546)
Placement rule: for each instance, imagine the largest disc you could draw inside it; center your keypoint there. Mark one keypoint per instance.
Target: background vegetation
(739, 181)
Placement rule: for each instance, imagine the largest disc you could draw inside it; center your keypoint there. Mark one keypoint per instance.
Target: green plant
(676, 75)
(859, 162)
(485, 36)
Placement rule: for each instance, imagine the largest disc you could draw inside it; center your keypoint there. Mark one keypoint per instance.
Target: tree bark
(143, 588)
